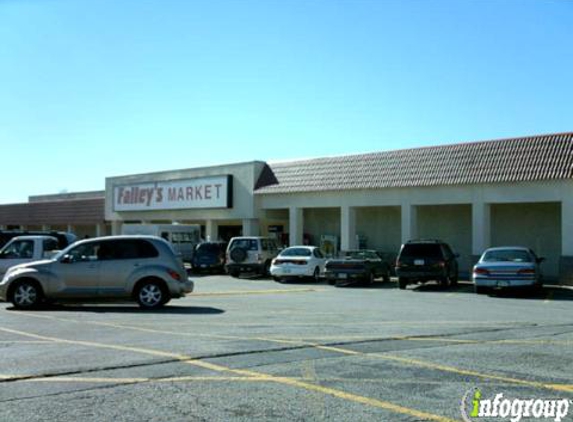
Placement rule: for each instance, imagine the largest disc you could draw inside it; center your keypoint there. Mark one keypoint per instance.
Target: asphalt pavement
(251, 349)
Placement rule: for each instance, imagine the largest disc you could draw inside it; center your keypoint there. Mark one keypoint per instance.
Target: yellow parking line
(248, 373)
(445, 368)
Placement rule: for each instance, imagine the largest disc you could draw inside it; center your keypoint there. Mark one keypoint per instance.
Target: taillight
(529, 271)
(441, 264)
(174, 275)
(481, 271)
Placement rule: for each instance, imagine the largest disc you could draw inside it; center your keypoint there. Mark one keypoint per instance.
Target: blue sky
(96, 88)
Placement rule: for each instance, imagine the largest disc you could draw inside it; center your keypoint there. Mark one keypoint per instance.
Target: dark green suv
(420, 261)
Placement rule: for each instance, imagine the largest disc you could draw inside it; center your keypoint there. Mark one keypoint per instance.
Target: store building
(472, 195)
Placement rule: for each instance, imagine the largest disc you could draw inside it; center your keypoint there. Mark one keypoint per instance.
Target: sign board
(205, 192)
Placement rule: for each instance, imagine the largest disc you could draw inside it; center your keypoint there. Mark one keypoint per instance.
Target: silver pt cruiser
(140, 268)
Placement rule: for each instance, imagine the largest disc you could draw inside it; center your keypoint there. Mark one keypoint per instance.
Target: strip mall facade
(472, 195)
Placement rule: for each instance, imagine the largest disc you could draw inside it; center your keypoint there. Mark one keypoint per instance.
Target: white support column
(348, 228)
(70, 228)
(296, 224)
(481, 227)
(567, 226)
(211, 230)
(250, 227)
(409, 222)
(45, 227)
(98, 230)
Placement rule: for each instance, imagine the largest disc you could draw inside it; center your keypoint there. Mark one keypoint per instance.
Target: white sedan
(298, 262)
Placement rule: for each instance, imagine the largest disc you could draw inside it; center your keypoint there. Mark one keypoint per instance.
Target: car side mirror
(67, 259)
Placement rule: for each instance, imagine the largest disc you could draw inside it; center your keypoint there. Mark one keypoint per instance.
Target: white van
(183, 237)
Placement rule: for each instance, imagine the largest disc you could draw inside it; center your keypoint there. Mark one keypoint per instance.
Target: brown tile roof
(509, 160)
(75, 212)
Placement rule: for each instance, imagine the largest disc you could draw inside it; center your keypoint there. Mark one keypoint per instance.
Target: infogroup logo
(475, 406)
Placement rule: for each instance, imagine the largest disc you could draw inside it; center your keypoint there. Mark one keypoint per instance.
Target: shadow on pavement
(127, 309)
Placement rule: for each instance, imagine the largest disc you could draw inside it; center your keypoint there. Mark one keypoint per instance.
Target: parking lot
(252, 349)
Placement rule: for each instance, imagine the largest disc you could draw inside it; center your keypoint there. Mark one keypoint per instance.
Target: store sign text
(209, 192)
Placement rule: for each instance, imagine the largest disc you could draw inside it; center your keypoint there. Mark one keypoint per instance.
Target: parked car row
(147, 269)
(418, 261)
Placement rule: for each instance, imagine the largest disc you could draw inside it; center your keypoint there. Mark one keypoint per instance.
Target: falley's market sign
(206, 192)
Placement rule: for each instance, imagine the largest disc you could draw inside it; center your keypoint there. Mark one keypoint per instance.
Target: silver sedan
(507, 267)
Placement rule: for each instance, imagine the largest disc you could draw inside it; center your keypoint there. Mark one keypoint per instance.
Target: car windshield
(296, 252)
(507, 255)
(427, 250)
(208, 248)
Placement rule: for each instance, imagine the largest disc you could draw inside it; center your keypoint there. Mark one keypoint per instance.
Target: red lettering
(141, 196)
(198, 194)
(207, 191)
(180, 195)
(189, 192)
(159, 195)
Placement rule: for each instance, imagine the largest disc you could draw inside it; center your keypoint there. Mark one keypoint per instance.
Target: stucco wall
(452, 224)
(381, 226)
(537, 226)
(321, 221)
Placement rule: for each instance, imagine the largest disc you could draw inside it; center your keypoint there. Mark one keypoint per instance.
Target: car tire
(454, 280)
(371, 278)
(480, 290)
(316, 275)
(444, 282)
(402, 283)
(266, 271)
(235, 273)
(151, 294)
(386, 276)
(26, 294)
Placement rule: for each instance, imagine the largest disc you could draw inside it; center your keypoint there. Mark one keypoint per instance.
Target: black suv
(209, 256)
(425, 260)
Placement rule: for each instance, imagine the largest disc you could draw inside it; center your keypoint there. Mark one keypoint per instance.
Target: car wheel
(235, 273)
(26, 295)
(371, 278)
(444, 282)
(454, 280)
(386, 276)
(316, 274)
(151, 295)
(266, 269)
(402, 283)
(480, 290)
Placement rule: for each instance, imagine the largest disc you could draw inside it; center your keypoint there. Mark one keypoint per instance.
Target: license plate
(342, 275)
(419, 262)
(203, 265)
(502, 284)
